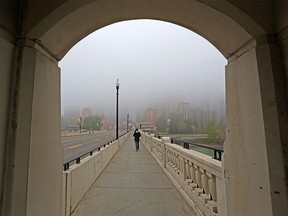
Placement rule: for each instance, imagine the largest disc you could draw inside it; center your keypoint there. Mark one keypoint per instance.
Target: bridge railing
(217, 151)
(198, 176)
(78, 159)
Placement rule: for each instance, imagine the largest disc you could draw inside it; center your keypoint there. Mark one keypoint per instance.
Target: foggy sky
(155, 62)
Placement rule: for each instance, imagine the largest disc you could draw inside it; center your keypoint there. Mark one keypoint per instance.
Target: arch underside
(256, 95)
(220, 30)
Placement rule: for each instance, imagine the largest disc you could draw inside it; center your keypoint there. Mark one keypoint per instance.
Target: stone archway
(253, 151)
(80, 20)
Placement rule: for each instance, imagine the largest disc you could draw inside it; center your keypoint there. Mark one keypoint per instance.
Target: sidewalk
(133, 184)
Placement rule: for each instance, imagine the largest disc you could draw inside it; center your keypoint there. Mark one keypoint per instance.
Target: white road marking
(75, 146)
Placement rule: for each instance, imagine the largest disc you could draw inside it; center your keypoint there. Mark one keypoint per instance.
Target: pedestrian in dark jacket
(137, 136)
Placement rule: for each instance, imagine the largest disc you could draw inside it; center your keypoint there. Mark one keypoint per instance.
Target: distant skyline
(155, 62)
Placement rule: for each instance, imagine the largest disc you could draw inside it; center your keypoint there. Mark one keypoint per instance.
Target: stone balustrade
(197, 176)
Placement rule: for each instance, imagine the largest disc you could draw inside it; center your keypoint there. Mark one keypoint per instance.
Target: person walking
(137, 136)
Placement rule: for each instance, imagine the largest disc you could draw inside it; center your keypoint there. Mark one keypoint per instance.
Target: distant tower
(185, 112)
(150, 115)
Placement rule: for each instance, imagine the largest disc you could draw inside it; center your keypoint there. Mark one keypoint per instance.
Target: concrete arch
(226, 32)
(251, 35)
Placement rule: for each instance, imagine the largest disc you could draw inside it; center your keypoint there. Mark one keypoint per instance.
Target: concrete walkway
(133, 184)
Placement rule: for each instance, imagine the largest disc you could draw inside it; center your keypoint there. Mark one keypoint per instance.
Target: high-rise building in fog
(185, 112)
(139, 117)
(71, 116)
(164, 110)
(150, 115)
(173, 106)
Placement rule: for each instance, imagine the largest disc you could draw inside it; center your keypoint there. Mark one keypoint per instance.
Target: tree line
(215, 130)
(92, 123)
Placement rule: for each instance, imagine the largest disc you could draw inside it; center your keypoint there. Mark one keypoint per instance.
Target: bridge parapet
(79, 177)
(198, 177)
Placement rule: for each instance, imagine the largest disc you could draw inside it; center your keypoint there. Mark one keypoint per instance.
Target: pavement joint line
(141, 173)
(135, 188)
(138, 172)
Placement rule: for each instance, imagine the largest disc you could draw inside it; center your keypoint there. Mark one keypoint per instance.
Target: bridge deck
(133, 184)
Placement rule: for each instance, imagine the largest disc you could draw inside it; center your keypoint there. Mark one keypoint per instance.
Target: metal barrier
(217, 151)
(77, 160)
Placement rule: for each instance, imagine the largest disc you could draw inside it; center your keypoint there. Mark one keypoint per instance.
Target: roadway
(77, 145)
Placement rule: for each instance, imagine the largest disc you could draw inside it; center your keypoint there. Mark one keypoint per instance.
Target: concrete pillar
(33, 178)
(253, 167)
(6, 61)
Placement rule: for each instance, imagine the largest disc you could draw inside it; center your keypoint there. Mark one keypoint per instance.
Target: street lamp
(117, 94)
(80, 124)
(127, 122)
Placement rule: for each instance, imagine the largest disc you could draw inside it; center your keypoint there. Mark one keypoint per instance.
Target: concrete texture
(80, 177)
(133, 184)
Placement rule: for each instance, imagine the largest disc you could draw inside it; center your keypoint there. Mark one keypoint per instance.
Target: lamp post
(117, 94)
(127, 122)
(80, 124)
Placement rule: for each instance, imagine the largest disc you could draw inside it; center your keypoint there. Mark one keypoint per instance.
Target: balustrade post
(150, 143)
(192, 171)
(193, 176)
(178, 162)
(204, 180)
(212, 186)
(187, 170)
(198, 176)
(164, 140)
(182, 168)
(167, 155)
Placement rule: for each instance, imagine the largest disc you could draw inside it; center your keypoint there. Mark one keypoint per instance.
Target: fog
(156, 62)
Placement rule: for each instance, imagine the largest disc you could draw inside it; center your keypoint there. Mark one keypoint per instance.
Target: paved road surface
(74, 146)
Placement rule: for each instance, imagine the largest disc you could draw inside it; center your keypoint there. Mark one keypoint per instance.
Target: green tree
(161, 124)
(215, 132)
(182, 127)
(173, 126)
(92, 123)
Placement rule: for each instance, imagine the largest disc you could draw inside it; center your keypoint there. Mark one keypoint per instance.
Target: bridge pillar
(6, 62)
(254, 160)
(34, 152)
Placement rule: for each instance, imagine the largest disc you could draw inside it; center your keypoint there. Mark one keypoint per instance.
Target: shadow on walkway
(133, 184)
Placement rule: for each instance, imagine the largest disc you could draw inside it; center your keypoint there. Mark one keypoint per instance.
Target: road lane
(77, 145)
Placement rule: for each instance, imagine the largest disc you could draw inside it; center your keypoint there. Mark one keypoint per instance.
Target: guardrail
(217, 151)
(197, 176)
(77, 160)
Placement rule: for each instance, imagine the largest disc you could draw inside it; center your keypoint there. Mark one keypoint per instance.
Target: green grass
(182, 135)
(202, 150)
